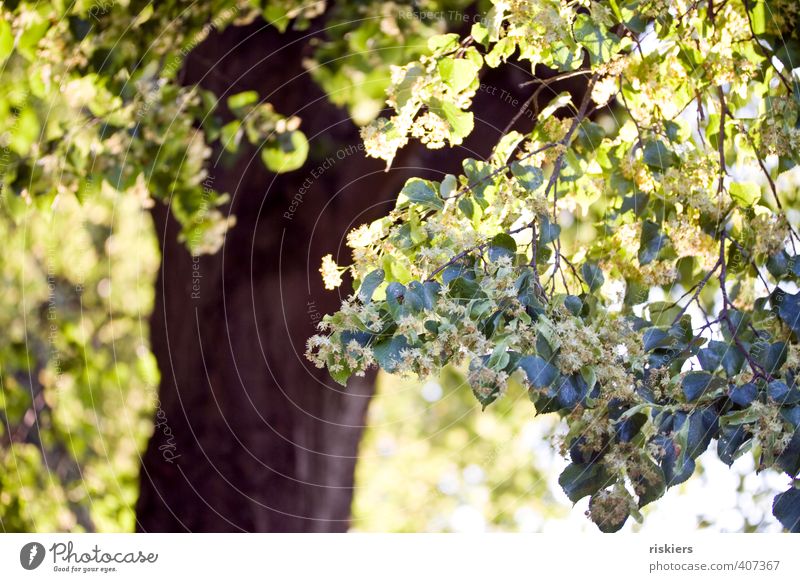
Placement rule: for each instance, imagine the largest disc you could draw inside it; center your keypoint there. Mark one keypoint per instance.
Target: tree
(625, 250)
(163, 129)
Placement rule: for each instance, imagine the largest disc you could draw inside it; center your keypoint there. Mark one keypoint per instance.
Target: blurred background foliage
(431, 460)
(78, 381)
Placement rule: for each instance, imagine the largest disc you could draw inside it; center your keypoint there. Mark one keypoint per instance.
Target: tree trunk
(249, 436)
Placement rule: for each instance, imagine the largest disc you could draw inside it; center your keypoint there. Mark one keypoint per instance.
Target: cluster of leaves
(632, 262)
(352, 63)
(92, 96)
(94, 89)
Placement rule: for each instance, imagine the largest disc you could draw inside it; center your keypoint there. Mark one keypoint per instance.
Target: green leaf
(574, 304)
(529, 176)
(443, 42)
(759, 16)
(789, 310)
(340, 376)
(601, 45)
(502, 245)
(6, 40)
(578, 481)
(695, 384)
(480, 33)
(730, 444)
(461, 122)
(654, 337)
(561, 100)
(144, 15)
(567, 55)
(782, 394)
(548, 232)
(501, 50)
(711, 356)
(286, 153)
(743, 395)
(771, 356)
(422, 192)
(466, 206)
(658, 156)
(388, 352)
(504, 148)
(745, 194)
(448, 186)
(663, 313)
(275, 15)
(702, 428)
(540, 373)
(421, 296)
(478, 176)
(395, 297)
(231, 135)
(369, 284)
(500, 357)
(592, 276)
(651, 243)
(242, 100)
(458, 74)
(465, 289)
(589, 376)
(786, 508)
(590, 136)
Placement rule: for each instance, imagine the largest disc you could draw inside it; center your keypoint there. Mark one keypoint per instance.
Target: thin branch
(556, 78)
(698, 289)
(723, 112)
(455, 259)
(503, 168)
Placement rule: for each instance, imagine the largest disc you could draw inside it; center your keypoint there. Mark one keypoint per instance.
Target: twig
(721, 139)
(698, 290)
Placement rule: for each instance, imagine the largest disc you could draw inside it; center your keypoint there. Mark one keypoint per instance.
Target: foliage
(78, 382)
(94, 126)
(97, 125)
(432, 460)
(116, 67)
(631, 259)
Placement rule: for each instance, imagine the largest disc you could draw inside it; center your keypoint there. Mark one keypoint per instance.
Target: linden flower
(360, 237)
(604, 90)
(331, 272)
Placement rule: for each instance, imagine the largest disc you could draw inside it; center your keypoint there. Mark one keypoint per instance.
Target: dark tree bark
(261, 440)
(248, 435)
